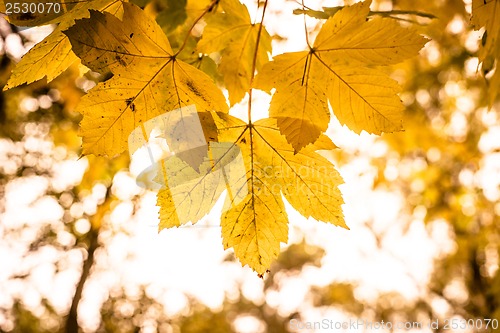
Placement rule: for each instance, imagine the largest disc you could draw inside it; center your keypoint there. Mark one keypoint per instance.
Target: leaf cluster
(162, 65)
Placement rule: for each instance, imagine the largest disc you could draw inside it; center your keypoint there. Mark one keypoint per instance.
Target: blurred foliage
(438, 165)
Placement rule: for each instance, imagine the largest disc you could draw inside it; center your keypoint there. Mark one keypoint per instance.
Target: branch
(327, 12)
(92, 236)
(72, 320)
(254, 63)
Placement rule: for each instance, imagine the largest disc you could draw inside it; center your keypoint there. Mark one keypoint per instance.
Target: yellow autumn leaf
(378, 41)
(188, 192)
(233, 35)
(300, 101)
(49, 58)
(148, 79)
(53, 55)
(184, 172)
(188, 195)
(339, 68)
(256, 225)
(256, 166)
(486, 14)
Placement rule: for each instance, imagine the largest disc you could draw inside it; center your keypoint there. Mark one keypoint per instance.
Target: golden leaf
(257, 166)
(337, 68)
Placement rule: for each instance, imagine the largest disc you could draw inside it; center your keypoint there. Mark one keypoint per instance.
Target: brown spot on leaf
(130, 104)
(191, 86)
(120, 60)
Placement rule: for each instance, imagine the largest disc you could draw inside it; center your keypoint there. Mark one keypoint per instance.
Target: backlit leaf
(254, 221)
(338, 69)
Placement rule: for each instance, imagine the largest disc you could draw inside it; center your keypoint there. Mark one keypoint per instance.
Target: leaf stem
(403, 12)
(205, 12)
(330, 11)
(254, 65)
(305, 26)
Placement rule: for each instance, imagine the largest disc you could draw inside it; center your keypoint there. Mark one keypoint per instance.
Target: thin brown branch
(207, 10)
(72, 319)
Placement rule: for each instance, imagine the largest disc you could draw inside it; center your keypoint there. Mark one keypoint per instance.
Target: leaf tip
(261, 275)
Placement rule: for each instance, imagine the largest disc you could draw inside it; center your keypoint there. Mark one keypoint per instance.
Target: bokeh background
(80, 251)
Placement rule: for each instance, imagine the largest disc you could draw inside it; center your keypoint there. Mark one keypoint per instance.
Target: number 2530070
(32, 8)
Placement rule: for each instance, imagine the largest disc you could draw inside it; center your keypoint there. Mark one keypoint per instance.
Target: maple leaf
(486, 13)
(148, 79)
(53, 55)
(183, 37)
(262, 168)
(338, 69)
(173, 15)
(233, 34)
(29, 14)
